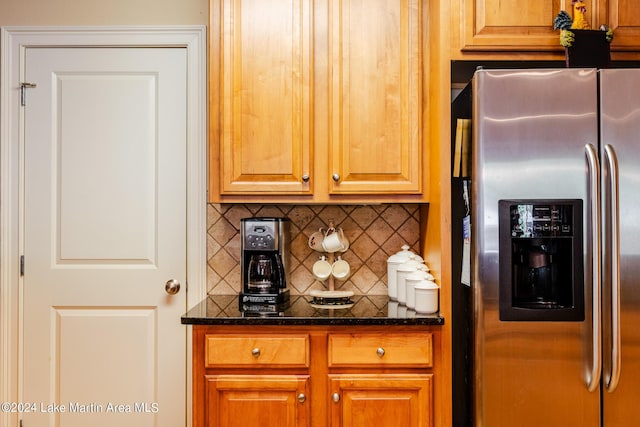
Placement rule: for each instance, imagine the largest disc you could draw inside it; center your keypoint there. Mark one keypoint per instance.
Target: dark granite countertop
(366, 310)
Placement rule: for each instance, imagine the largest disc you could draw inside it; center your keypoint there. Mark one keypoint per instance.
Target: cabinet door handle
(336, 177)
(255, 352)
(302, 398)
(305, 178)
(335, 397)
(380, 351)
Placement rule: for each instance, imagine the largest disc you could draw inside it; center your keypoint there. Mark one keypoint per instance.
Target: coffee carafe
(264, 259)
(263, 275)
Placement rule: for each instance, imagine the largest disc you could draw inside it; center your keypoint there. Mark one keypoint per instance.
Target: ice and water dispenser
(541, 260)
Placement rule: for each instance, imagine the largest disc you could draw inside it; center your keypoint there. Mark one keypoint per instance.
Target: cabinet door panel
(265, 96)
(375, 96)
(623, 16)
(381, 400)
(511, 24)
(256, 400)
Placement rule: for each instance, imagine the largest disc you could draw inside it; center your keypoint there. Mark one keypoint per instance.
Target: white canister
(392, 309)
(392, 267)
(402, 311)
(410, 283)
(402, 273)
(426, 293)
(404, 269)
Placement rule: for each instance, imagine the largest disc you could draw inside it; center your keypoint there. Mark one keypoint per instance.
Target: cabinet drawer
(255, 350)
(402, 350)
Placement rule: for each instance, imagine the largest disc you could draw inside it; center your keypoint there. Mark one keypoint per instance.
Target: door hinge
(22, 265)
(23, 89)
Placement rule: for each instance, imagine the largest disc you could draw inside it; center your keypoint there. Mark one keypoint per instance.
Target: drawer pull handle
(335, 397)
(302, 398)
(380, 351)
(255, 352)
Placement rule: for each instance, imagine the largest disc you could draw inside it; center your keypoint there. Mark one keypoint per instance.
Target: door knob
(172, 287)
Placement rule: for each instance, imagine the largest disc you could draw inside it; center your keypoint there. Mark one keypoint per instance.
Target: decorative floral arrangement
(565, 24)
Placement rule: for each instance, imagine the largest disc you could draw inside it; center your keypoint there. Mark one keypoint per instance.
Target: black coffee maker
(264, 260)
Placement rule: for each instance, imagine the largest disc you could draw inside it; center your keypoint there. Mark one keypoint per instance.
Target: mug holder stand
(331, 298)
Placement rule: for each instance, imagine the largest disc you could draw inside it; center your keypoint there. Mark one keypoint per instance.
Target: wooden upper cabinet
(509, 25)
(318, 100)
(375, 55)
(261, 78)
(623, 16)
(513, 25)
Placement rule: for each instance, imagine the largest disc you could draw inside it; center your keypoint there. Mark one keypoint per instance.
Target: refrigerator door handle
(593, 253)
(611, 160)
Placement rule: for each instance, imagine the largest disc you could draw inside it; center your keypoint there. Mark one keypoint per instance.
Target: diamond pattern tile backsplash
(375, 232)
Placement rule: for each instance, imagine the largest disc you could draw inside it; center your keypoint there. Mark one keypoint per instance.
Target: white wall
(103, 12)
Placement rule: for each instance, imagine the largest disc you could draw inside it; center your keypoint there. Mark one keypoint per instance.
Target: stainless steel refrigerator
(556, 247)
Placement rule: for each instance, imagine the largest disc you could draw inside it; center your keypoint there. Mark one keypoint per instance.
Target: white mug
(321, 269)
(316, 238)
(334, 241)
(340, 269)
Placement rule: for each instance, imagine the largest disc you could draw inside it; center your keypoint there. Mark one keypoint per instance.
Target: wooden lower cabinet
(381, 400)
(316, 376)
(256, 400)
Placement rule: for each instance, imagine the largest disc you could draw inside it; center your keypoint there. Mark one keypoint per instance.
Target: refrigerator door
(620, 130)
(530, 129)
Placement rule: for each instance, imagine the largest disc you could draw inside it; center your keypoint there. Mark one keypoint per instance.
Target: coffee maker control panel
(260, 238)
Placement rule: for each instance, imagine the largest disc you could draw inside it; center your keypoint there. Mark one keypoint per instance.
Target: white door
(104, 230)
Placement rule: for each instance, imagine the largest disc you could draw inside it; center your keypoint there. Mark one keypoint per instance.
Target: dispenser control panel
(541, 220)
(541, 274)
